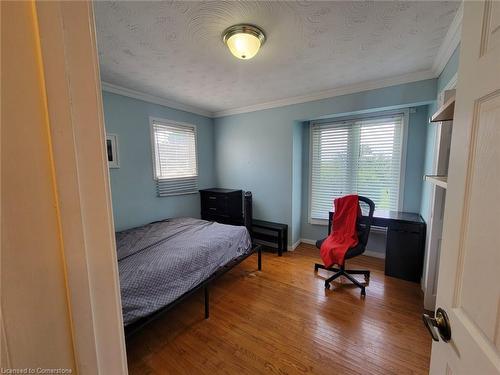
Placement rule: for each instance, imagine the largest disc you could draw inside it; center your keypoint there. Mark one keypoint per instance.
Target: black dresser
(222, 205)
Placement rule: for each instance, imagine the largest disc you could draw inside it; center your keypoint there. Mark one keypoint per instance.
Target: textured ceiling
(173, 49)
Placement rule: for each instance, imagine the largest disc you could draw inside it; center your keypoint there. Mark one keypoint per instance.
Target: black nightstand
(270, 232)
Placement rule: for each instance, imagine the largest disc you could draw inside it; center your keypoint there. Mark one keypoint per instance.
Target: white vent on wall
(362, 156)
(175, 161)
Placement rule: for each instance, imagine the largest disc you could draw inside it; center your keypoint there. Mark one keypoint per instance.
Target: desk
(405, 245)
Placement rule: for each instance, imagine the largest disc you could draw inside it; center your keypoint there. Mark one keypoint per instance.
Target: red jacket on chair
(343, 233)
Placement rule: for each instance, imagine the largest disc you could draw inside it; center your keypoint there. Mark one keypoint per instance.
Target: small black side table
(271, 232)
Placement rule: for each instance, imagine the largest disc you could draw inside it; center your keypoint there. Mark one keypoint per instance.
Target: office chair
(363, 225)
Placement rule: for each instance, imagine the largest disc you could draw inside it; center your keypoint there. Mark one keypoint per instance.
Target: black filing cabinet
(405, 249)
(222, 205)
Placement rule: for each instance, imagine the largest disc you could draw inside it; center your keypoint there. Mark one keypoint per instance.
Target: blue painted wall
(266, 152)
(430, 139)
(254, 151)
(450, 69)
(133, 189)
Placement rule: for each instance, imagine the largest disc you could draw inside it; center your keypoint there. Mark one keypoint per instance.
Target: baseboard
(307, 241)
(272, 244)
(374, 254)
(294, 246)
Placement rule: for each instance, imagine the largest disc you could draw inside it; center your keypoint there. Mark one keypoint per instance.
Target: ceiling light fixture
(243, 40)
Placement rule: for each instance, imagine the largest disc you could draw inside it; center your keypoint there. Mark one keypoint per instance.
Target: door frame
(77, 139)
(468, 283)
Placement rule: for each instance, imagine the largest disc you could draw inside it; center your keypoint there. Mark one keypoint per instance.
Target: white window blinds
(174, 157)
(360, 156)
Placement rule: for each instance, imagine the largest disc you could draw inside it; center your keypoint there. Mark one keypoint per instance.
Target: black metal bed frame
(133, 328)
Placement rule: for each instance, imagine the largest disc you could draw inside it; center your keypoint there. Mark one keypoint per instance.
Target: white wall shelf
(438, 180)
(441, 181)
(445, 112)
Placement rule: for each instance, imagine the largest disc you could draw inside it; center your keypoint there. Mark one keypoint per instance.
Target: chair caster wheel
(327, 286)
(363, 293)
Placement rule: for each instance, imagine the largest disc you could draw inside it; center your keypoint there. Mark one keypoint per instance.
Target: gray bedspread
(161, 261)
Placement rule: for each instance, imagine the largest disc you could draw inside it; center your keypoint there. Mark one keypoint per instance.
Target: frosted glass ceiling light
(244, 41)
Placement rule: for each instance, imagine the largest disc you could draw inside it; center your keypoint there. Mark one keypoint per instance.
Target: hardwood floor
(283, 321)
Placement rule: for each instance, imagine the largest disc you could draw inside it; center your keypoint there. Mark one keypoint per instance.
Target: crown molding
(450, 42)
(344, 90)
(120, 90)
(326, 94)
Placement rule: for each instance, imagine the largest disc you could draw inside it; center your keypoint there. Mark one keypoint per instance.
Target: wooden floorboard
(283, 321)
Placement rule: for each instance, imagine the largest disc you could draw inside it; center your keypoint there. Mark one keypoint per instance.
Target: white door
(469, 271)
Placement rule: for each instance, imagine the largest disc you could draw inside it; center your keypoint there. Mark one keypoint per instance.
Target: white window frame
(160, 120)
(405, 112)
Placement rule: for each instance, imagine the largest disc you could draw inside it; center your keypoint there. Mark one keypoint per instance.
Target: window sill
(175, 194)
(322, 222)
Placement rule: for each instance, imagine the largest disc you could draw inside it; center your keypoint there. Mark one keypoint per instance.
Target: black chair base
(347, 273)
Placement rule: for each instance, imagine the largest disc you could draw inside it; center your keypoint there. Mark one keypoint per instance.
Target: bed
(163, 262)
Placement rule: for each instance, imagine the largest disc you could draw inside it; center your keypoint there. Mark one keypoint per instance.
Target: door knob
(441, 322)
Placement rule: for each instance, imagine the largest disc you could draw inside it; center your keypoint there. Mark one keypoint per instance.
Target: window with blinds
(362, 156)
(174, 158)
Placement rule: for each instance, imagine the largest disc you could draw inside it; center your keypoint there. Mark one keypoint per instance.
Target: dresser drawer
(224, 219)
(214, 203)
